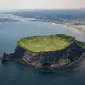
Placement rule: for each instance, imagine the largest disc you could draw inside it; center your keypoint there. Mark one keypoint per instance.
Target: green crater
(45, 43)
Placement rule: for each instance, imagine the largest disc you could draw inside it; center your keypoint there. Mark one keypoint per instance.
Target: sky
(41, 4)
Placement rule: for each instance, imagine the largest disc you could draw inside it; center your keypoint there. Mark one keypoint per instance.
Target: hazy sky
(41, 4)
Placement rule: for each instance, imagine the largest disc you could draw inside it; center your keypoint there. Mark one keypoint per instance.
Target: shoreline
(28, 58)
(74, 27)
(54, 67)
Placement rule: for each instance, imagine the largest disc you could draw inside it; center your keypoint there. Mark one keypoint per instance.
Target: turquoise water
(13, 73)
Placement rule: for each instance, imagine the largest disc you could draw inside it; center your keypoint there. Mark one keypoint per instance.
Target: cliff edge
(52, 51)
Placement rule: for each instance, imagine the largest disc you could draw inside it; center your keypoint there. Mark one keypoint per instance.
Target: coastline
(32, 59)
(54, 67)
(74, 27)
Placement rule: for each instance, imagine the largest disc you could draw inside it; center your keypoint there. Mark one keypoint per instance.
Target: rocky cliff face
(42, 59)
(51, 59)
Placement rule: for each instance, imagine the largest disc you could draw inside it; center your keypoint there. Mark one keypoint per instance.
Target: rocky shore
(48, 60)
(66, 24)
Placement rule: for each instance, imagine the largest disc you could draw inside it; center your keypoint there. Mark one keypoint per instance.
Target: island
(50, 52)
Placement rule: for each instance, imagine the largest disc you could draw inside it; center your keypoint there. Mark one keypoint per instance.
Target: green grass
(45, 43)
(63, 61)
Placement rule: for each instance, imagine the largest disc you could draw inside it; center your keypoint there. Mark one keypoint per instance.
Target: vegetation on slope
(63, 61)
(45, 43)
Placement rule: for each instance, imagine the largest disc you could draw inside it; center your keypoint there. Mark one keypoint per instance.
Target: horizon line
(2, 10)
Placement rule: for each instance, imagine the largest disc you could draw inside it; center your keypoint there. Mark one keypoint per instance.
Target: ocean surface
(13, 73)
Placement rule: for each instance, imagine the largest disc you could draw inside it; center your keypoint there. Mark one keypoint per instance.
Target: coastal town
(78, 23)
(71, 18)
